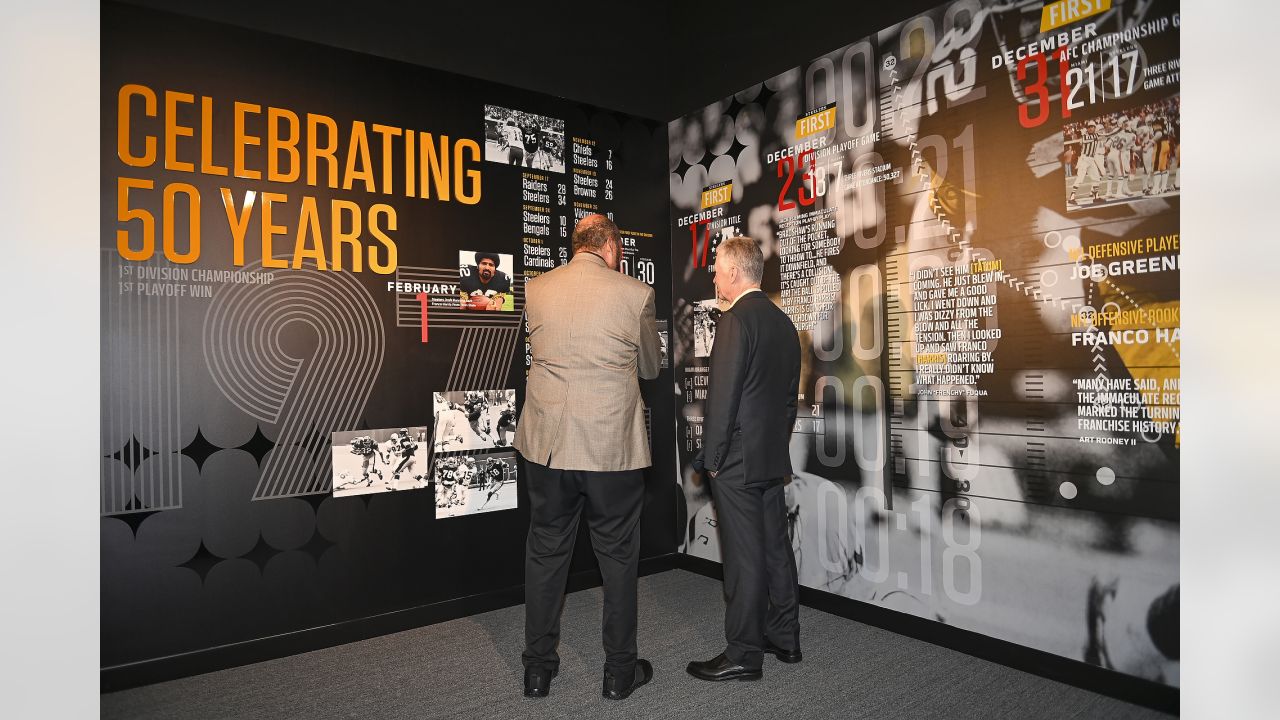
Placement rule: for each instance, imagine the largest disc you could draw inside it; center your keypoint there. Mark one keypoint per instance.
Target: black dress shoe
(621, 688)
(537, 681)
(721, 667)
(793, 656)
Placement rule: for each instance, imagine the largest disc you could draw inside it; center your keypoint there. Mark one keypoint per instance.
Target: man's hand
(497, 301)
(712, 473)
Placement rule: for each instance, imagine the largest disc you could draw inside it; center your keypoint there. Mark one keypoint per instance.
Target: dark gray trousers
(760, 584)
(612, 501)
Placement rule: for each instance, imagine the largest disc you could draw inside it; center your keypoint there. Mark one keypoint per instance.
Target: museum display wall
(313, 355)
(972, 218)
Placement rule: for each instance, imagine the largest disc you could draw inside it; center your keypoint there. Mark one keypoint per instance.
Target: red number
(783, 202)
(1039, 88)
(422, 300)
(806, 180)
(706, 244)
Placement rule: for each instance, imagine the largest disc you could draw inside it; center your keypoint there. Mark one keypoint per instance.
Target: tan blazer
(591, 330)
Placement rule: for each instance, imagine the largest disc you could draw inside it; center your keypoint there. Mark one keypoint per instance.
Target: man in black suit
(750, 410)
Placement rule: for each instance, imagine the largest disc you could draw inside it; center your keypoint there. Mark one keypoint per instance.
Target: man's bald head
(594, 232)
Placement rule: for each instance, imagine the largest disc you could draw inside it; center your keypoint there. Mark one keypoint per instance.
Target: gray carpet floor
(470, 668)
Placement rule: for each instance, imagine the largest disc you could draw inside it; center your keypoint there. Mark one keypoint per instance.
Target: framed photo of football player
(705, 315)
(523, 139)
(474, 419)
(484, 281)
(467, 484)
(1123, 156)
(381, 460)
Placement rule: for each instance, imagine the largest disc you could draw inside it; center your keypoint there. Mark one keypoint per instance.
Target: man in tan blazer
(583, 438)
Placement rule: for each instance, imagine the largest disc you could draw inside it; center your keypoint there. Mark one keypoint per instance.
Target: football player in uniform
(541, 160)
(370, 454)
(552, 146)
(450, 432)
(1164, 148)
(483, 286)
(1117, 161)
(532, 145)
(444, 482)
(513, 141)
(446, 432)
(462, 478)
(1134, 126)
(1143, 141)
(495, 477)
(506, 425)
(478, 415)
(406, 449)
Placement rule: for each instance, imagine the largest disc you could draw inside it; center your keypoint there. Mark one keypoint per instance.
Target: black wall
(192, 562)
(652, 59)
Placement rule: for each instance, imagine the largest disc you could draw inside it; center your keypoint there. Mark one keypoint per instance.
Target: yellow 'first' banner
(1065, 12)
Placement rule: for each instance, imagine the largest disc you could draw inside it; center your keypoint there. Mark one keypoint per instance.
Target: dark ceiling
(656, 59)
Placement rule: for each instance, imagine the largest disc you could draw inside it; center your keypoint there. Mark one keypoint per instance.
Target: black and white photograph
(664, 341)
(474, 419)
(383, 460)
(514, 137)
(1124, 156)
(470, 484)
(705, 315)
(484, 281)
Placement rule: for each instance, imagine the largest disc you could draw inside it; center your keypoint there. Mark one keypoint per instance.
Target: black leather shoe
(793, 656)
(721, 667)
(537, 681)
(621, 688)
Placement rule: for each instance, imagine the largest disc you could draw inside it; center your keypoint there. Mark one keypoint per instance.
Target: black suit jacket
(751, 399)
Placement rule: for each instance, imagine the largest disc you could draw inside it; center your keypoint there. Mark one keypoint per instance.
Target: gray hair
(743, 253)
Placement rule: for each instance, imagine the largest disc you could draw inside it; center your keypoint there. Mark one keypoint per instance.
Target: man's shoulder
(757, 307)
(619, 284)
(546, 277)
(752, 306)
(638, 288)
